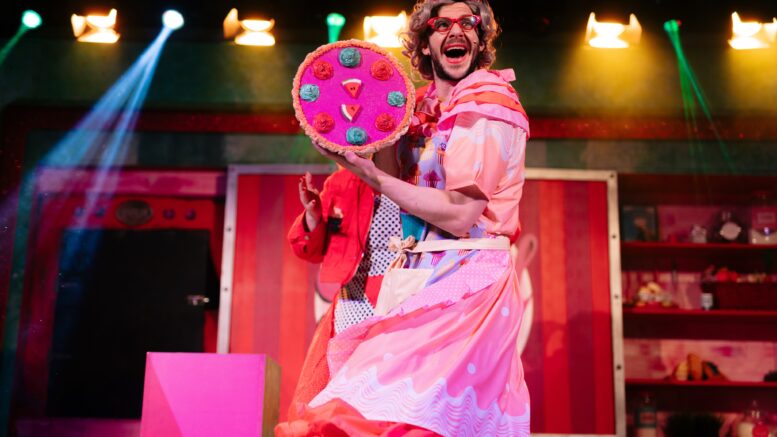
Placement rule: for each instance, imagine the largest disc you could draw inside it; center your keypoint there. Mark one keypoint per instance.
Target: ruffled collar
(429, 109)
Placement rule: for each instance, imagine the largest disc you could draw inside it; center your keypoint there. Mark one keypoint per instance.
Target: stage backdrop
(567, 256)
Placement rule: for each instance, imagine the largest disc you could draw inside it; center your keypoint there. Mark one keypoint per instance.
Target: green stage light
(31, 19)
(334, 23)
(693, 97)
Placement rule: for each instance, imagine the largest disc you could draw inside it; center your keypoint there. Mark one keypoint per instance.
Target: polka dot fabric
(353, 306)
(385, 224)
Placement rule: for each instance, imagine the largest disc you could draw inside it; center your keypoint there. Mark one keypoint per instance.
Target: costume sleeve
(311, 245)
(308, 245)
(486, 127)
(479, 152)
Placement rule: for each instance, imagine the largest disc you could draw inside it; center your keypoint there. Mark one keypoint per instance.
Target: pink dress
(446, 359)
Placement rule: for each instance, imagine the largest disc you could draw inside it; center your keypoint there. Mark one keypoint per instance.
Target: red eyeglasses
(445, 24)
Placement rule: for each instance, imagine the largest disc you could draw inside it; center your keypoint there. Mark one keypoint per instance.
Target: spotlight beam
(691, 88)
(30, 20)
(76, 148)
(6, 50)
(117, 145)
(114, 115)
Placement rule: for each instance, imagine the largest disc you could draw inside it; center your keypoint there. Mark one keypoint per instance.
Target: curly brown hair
(416, 38)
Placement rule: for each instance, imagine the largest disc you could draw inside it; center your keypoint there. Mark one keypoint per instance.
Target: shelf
(696, 257)
(718, 315)
(703, 384)
(691, 189)
(672, 323)
(650, 247)
(706, 395)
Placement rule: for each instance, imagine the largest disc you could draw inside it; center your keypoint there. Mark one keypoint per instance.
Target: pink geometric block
(199, 395)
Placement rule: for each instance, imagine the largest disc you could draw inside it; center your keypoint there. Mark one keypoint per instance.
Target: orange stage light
(95, 28)
(248, 32)
(604, 35)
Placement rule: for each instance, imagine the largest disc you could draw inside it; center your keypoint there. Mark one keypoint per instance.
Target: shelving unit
(672, 323)
(638, 248)
(683, 324)
(693, 256)
(706, 395)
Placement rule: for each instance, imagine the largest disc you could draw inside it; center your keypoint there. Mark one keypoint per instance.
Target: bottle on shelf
(707, 286)
(646, 417)
(763, 218)
(707, 300)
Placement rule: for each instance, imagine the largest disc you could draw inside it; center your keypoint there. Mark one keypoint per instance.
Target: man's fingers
(351, 157)
(308, 178)
(320, 149)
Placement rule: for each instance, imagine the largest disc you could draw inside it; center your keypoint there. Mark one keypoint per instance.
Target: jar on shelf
(728, 228)
(698, 234)
(753, 423)
(763, 218)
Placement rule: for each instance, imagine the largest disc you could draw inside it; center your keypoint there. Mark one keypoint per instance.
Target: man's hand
(310, 198)
(363, 168)
(453, 211)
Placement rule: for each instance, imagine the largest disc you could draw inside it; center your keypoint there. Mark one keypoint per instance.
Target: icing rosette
(385, 122)
(309, 92)
(323, 122)
(350, 57)
(381, 70)
(323, 70)
(396, 98)
(356, 136)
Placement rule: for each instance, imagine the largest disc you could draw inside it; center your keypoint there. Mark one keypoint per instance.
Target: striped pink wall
(568, 358)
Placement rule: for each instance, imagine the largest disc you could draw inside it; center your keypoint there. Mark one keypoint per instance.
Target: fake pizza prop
(353, 95)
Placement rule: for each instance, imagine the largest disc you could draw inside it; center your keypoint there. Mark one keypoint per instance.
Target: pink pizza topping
(323, 122)
(350, 111)
(384, 122)
(352, 86)
(381, 70)
(323, 70)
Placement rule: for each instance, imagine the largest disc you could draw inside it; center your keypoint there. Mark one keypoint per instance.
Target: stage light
(383, 30)
(31, 19)
(604, 35)
(248, 32)
(172, 19)
(752, 34)
(95, 28)
(334, 24)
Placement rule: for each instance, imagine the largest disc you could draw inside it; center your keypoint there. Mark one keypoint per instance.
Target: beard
(440, 72)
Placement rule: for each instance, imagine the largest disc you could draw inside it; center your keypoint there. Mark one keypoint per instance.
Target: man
(443, 360)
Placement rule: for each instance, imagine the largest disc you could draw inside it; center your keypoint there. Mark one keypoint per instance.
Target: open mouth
(455, 52)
